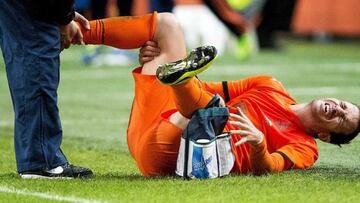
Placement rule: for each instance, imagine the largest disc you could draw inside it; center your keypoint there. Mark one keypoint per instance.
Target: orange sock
(121, 32)
(190, 96)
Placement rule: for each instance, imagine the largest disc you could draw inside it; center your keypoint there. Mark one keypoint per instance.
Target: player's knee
(168, 22)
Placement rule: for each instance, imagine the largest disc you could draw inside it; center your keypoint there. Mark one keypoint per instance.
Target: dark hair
(340, 138)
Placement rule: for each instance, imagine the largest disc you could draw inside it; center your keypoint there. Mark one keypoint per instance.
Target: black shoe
(66, 171)
(180, 71)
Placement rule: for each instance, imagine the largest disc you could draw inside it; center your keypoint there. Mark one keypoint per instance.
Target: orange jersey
(267, 104)
(154, 141)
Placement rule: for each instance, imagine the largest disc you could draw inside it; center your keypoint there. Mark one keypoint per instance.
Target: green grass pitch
(95, 104)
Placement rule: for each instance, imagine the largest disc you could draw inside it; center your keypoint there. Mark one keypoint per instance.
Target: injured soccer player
(270, 131)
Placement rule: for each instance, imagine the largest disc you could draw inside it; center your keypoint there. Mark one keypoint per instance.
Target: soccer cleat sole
(190, 66)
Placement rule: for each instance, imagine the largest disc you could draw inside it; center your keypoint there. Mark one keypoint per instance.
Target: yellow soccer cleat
(180, 71)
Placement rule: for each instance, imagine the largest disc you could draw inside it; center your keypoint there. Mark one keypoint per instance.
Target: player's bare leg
(170, 40)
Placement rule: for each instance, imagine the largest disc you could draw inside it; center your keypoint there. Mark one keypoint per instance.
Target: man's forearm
(264, 162)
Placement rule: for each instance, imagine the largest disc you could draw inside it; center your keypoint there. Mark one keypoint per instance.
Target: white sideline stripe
(46, 195)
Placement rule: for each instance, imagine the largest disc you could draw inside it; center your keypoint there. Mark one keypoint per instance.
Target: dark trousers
(31, 51)
(276, 16)
(161, 5)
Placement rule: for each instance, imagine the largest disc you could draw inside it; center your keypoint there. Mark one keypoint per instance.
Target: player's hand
(82, 20)
(148, 52)
(71, 33)
(78, 37)
(249, 133)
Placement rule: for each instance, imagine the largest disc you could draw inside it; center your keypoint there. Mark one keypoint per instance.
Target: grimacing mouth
(329, 108)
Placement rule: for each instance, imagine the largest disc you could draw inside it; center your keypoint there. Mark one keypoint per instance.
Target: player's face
(333, 115)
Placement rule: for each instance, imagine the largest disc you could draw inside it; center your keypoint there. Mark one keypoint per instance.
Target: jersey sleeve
(232, 89)
(292, 156)
(264, 162)
(299, 155)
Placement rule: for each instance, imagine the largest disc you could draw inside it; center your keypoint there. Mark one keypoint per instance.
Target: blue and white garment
(205, 152)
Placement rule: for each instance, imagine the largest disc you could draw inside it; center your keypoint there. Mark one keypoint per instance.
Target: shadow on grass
(330, 173)
(105, 177)
(334, 173)
(8, 175)
(132, 177)
(320, 172)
